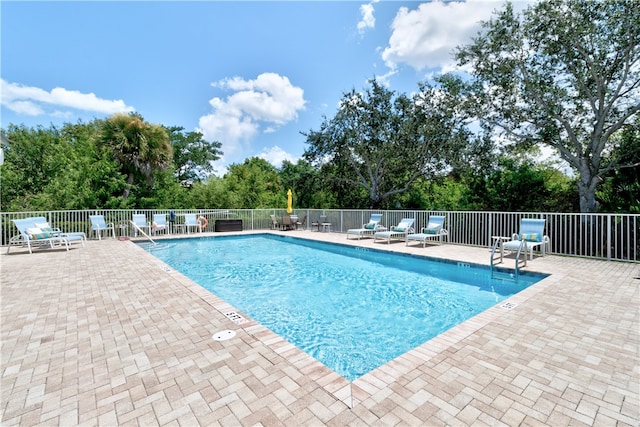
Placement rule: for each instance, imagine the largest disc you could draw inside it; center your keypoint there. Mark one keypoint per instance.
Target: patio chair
(190, 221)
(434, 230)
(275, 225)
(140, 223)
(400, 231)
(531, 236)
(98, 225)
(369, 228)
(160, 224)
(34, 237)
(301, 224)
(287, 223)
(321, 223)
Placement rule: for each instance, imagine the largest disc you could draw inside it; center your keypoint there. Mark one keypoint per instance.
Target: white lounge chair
(434, 230)
(35, 237)
(98, 225)
(160, 224)
(369, 228)
(75, 236)
(531, 236)
(400, 231)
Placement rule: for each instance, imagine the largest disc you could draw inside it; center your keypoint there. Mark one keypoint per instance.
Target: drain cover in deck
(224, 335)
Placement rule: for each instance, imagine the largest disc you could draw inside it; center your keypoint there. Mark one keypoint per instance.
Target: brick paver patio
(108, 335)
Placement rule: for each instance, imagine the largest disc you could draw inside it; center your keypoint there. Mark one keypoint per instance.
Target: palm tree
(139, 147)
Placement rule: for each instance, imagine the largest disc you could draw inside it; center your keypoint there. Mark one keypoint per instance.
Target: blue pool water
(353, 309)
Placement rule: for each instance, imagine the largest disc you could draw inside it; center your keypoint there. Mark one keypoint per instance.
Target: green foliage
(620, 191)
(383, 142)
(192, 155)
(255, 184)
(519, 186)
(564, 73)
(138, 147)
(304, 181)
(211, 193)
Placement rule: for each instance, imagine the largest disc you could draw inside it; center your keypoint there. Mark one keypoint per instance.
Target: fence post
(608, 237)
(491, 233)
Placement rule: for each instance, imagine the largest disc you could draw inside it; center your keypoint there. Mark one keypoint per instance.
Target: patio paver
(109, 335)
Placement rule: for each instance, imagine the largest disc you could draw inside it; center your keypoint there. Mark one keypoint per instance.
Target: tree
(32, 161)
(303, 180)
(382, 142)
(564, 73)
(192, 155)
(254, 184)
(620, 191)
(140, 148)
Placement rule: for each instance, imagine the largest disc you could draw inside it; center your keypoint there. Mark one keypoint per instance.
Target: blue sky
(251, 75)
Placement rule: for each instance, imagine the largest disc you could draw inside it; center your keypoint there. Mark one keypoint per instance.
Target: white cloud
(33, 101)
(425, 38)
(259, 105)
(276, 155)
(368, 20)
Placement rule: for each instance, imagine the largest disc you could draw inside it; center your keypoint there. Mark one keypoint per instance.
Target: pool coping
(352, 393)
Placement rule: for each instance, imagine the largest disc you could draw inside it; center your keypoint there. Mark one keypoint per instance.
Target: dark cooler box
(228, 225)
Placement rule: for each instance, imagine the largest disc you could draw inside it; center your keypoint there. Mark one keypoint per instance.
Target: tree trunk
(127, 189)
(587, 191)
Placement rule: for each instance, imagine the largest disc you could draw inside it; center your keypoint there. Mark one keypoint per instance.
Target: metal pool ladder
(497, 243)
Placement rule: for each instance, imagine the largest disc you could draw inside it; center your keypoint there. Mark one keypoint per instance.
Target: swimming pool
(353, 309)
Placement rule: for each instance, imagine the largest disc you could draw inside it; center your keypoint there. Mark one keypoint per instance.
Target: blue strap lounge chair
(75, 236)
(34, 237)
(99, 225)
(369, 228)
(434, 230)
(400, 231)
(531, 236)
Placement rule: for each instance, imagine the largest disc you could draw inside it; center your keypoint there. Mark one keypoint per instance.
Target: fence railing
(601, 235)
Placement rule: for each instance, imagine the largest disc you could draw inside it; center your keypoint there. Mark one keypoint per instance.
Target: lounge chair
(75, 236)
(531, 236)
(400, 231)
(433, 230)
(98, 225)
(35, 237)
(369, 228)
(160, 224)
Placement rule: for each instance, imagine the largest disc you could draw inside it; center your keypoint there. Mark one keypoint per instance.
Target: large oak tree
(563, 73)
(383, 142)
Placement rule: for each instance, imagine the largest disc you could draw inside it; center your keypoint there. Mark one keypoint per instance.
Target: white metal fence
(604, 236)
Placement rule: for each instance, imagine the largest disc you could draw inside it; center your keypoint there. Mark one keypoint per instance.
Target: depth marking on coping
(235, 317)
(509, 305)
